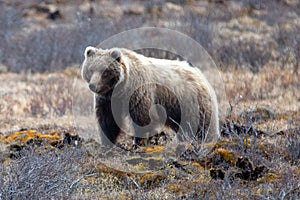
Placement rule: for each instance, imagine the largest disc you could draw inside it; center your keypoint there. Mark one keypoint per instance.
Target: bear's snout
(92, 87)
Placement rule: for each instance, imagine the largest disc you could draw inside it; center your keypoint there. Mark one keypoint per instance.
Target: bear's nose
(92, 87)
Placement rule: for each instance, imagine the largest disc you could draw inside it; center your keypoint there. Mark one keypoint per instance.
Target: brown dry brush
(43, 174)
(39, 172)
(52, 49)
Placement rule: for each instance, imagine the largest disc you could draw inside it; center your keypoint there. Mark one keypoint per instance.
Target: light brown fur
(141, 83)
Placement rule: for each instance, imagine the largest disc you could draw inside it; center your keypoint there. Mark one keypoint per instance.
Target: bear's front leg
(107, 121)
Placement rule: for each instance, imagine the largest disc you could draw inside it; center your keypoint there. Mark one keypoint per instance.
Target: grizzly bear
(145, 95)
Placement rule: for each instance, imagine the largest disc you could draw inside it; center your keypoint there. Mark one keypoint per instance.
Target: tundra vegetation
(256, 46)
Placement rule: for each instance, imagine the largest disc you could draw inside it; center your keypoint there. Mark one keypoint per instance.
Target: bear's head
(103, 69)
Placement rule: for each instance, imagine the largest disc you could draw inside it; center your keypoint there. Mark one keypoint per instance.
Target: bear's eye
(105, 73)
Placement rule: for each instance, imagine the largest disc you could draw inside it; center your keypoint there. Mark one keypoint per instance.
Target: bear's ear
(89, 51)
(116, 54)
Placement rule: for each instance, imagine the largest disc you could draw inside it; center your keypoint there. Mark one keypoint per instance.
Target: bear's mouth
(99, 90)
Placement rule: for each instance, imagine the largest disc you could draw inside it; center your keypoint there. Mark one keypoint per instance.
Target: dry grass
(26, 98)
(41, 157)
(257, 157)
